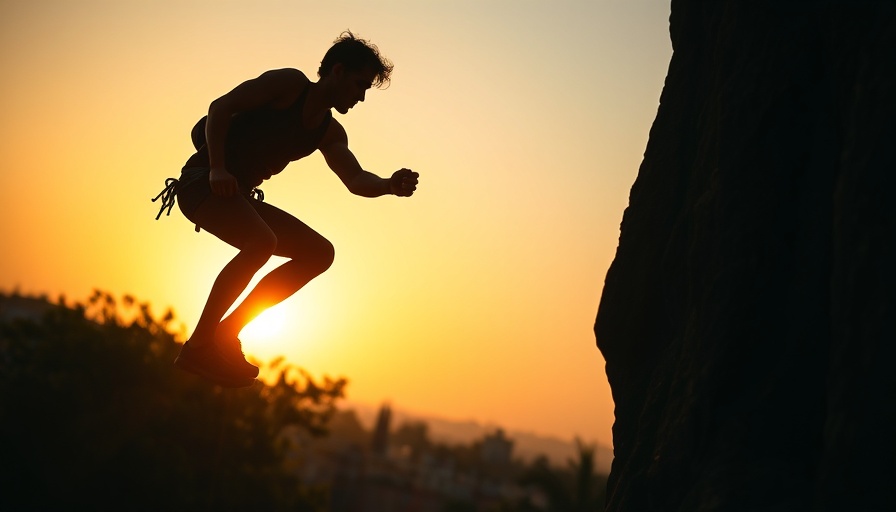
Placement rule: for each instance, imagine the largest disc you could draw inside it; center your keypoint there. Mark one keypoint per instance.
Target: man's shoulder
(290, 74)
(282, 85)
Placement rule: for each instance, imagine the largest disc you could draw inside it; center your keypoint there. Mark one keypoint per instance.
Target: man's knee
(314, 255)
(325, 255)
(316, 258)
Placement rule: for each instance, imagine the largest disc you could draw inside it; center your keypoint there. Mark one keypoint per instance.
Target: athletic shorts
(193, 188)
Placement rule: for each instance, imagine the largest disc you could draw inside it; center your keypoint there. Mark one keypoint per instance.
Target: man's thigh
(294, 237)
(234, 220)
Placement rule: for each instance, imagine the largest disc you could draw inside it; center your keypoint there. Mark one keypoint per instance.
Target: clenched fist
(403, 182)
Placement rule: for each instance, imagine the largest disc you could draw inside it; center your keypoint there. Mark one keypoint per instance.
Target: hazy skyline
(475, 299)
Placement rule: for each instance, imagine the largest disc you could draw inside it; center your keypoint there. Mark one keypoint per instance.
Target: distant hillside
(526, 445)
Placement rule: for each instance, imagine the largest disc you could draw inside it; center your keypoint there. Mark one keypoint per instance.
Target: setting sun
(267, 325)
(292, 327)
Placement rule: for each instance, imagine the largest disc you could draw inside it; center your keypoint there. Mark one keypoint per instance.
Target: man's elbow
(353, 185)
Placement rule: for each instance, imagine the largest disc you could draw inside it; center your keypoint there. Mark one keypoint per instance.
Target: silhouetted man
(250, 134)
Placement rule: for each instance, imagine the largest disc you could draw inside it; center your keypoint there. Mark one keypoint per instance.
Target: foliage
(97, 418)
(575, 488)
(578, 489)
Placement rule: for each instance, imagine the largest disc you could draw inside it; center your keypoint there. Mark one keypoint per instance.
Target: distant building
(497, 449)
(380, 444)
(478, 476)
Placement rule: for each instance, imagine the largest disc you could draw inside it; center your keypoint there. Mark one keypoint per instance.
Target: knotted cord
(167, 194)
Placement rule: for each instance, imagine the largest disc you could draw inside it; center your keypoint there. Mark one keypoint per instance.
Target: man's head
(356, 55)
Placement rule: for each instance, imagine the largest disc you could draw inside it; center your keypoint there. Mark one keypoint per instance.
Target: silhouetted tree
(96, 418)
(346, 426)
(578, 489)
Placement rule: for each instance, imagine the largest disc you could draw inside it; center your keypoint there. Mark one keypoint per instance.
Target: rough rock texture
(749, 318)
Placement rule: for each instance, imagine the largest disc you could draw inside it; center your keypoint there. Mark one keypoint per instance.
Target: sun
(289, 329)
(266, 326)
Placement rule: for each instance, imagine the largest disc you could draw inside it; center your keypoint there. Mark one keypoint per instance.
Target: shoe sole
(236, 363)
(212, 377)
(238, 360)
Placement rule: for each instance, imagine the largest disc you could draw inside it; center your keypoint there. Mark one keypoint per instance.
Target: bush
(97, 418)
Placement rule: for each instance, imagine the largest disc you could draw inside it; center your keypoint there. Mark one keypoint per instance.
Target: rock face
(749, 318)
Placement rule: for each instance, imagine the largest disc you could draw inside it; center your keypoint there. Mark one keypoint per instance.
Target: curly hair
(356, 54)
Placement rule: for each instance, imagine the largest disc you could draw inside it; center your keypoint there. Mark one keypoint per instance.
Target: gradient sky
(473, 300)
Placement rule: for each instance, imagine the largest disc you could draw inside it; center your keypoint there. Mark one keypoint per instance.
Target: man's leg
(310, 255)
(235, 221)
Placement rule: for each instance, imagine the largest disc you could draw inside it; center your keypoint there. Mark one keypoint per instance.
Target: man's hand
(403, 182)
(222, 183)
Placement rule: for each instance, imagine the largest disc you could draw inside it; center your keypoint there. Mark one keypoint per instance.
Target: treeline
(94, 417)
(573, 487)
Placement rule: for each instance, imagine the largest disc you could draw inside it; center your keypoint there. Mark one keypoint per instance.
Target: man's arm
(358, 181)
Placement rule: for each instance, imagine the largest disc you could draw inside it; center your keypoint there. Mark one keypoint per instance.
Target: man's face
(352, 87)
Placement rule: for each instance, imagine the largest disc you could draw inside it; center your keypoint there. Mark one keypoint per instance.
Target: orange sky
(474, 299)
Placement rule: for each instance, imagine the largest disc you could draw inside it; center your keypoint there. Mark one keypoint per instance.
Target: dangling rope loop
(167, 194)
